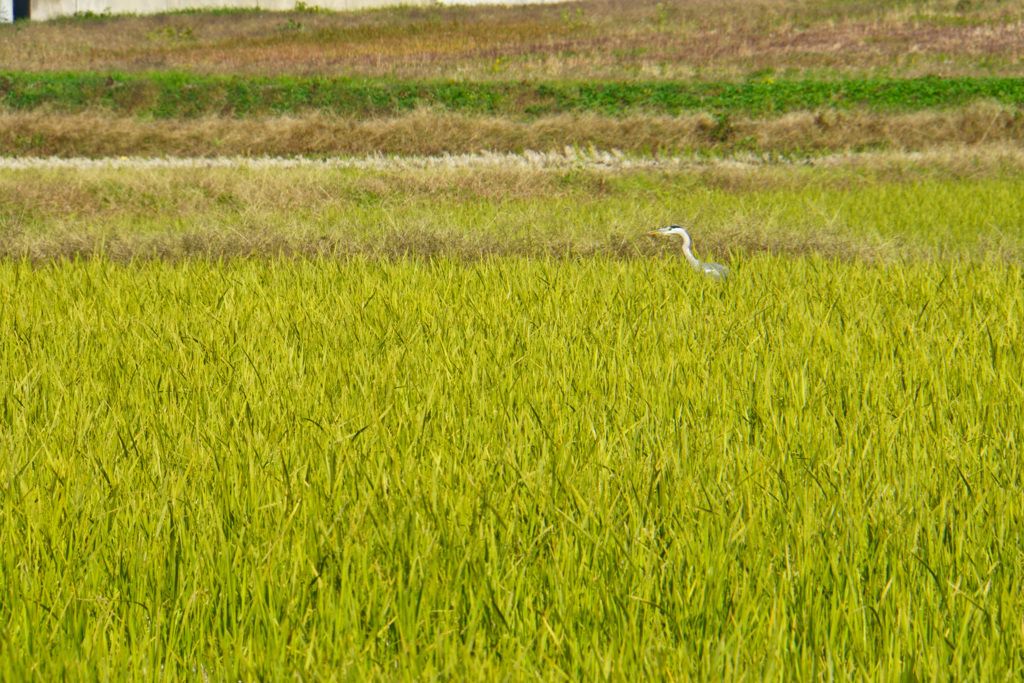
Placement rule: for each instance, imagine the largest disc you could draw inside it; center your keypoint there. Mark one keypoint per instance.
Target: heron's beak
(654, 232)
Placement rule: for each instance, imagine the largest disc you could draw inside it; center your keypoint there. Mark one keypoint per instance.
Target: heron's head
(669, 231)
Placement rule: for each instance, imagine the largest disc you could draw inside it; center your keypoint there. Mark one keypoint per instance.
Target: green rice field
(514, 468)
(537, 462)
(334, 346)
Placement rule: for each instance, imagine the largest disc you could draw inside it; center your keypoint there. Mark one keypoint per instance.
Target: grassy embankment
(615, 40)
(787, 77)
(185, 115)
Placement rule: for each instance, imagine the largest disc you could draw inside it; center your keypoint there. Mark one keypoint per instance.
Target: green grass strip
(173, 95)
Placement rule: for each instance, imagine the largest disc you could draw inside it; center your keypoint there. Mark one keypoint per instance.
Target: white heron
(712, 270)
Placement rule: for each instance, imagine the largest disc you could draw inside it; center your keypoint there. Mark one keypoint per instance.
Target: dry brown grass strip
(245, 188)
(584, 40)
(97, 134)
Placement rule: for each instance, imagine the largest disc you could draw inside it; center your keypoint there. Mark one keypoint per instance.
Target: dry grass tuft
(426, 132)
(978, 123)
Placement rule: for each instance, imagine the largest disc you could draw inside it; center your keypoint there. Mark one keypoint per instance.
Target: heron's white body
(714, 270)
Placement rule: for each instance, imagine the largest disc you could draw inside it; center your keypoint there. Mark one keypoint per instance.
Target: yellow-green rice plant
(511, 468)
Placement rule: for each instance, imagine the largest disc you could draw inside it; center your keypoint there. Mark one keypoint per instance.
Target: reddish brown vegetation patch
(595, 39)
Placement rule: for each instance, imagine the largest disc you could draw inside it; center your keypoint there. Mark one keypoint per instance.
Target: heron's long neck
(689, 254)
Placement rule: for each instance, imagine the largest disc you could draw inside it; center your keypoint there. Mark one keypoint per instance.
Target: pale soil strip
(570, 159)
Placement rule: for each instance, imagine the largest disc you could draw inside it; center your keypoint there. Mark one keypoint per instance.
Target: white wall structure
(48, 9)
(6, 11)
